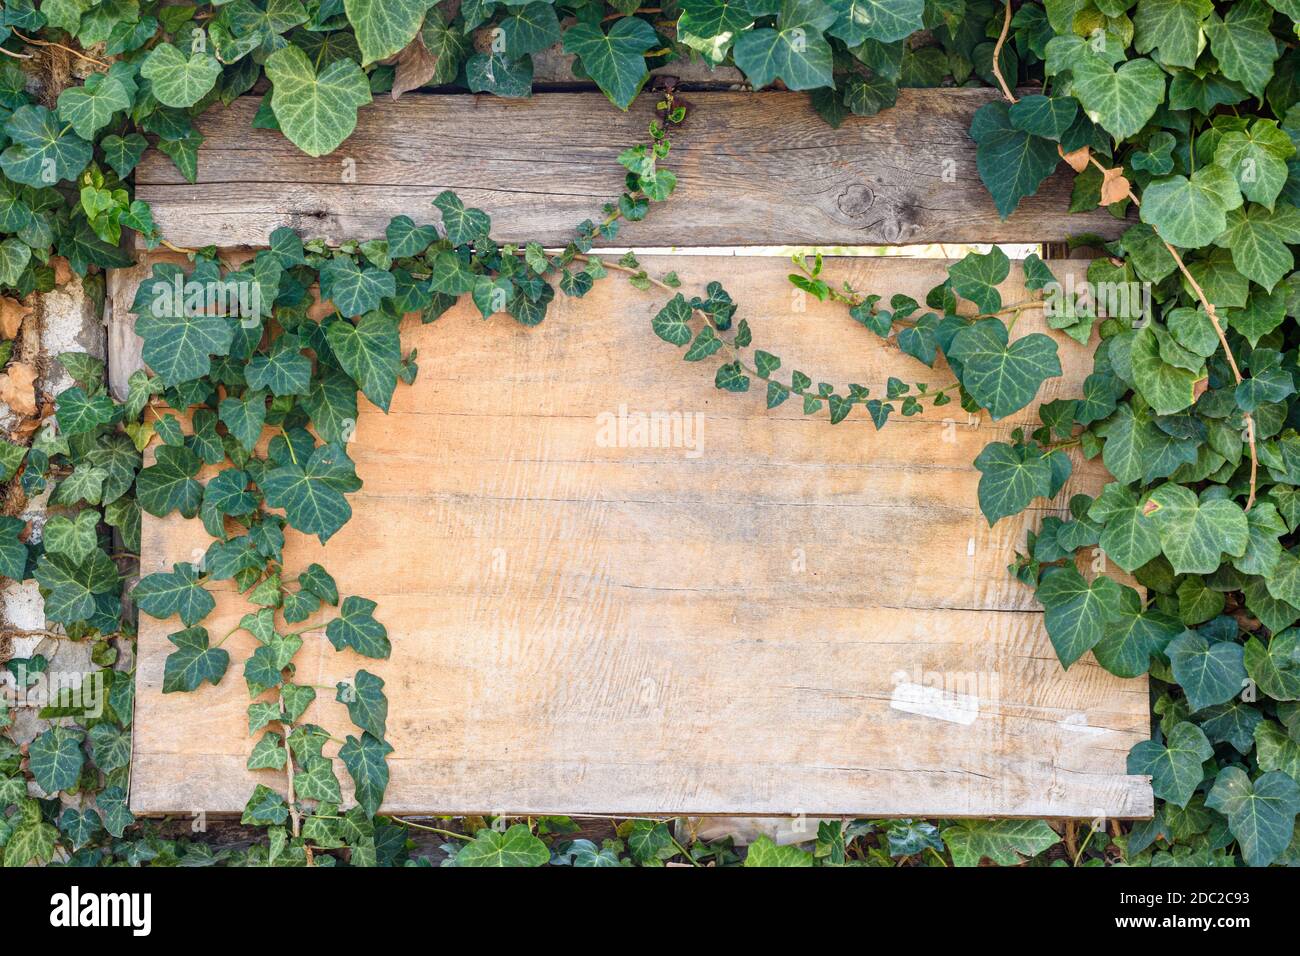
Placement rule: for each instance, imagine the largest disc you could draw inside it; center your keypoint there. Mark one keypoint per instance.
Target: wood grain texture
(583, 629)
(753, 169)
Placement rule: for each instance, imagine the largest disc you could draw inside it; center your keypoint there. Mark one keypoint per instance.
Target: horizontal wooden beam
(753, 169)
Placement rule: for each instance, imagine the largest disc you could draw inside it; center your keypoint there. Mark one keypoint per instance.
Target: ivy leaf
(74, 586)
(178, 347)
(55, 759)
(1166, 388)
(367, 705)
(1243, 44)
(1275, 666)
(1174, 766)
(1011, 476)
(371, 352)
(614, 61)
(1191, 212)
(672, 322)
(1209, 673)
(1195, 534)
(1128, 538)
(284, 370)
(79, 413)
(795, 52)
(79, 826)
(311, 494)
(168, 485)
(1261, 813)
(710, 26)
(464, 225)
(245, 417)
(1122, 100)
(30, 841)
(883, 20)
(268, 753)
(317, 781)
(356, 627)
(1172, 28)
(530, 29)
(1002, 841)
(179, 81)
(316, 111)
(265, 808)
(516, 847)
(178, 591)
(406, 239)
(1259, 238)
(1133, 636)
(366, 762)
(763, 852)
(43, 150)
(1257, 159)
(1076, 612)
(383, 28)
(318, 581)
(75, 537)
(354, 290)
(976, 277)
(91, 106)
(1003, 377)
(193, 661)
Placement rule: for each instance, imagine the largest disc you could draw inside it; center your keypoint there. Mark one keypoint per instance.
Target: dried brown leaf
(18, 388)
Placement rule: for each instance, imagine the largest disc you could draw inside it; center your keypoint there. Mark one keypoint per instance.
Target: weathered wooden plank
(753, 168)
(584, 628)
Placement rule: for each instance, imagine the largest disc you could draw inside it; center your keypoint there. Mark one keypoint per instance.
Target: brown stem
(67, 49)
(997, 53)
(1208, 306)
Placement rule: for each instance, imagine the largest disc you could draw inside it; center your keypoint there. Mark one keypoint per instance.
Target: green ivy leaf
(317, 781)
(1002, 841)
(43, 150)
(1120, 100)
(178, 591)
(1076, 612)
(371, 352)
(91, 106)
(1196, 534)
(1243, 44)
(367, 764)
(1209, 673)
(1261, 813)
(615, 61)
(1011, 476)
(317, 111)
(356, 627)
(1171, 28)
(366, 703)
(1191, 212)
(884, 20)
(765, 853)
(177, 80)
(383, 28)
(515, 847)
(169, 485)
(795, 52)
(193, 661)
(55, 758)
(311, 494)
(1175, 766)
(1003, 377)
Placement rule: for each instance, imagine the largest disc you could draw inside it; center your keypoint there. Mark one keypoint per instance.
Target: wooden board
(753, 168)
(587, 629)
